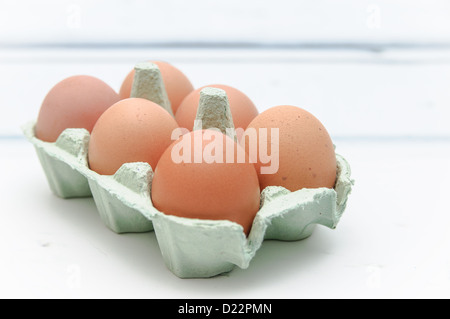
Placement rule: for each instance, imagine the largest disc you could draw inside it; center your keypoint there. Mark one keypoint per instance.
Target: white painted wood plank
(362, 94)
(266, 21)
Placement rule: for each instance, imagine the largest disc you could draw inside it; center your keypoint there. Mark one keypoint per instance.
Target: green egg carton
(190, 247)
(119, 198)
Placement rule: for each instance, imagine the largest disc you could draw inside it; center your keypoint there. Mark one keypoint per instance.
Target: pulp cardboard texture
(190, 247)
(148, 84)
(214, 112)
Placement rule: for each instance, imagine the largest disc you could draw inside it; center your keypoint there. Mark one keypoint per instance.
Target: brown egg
(75, 102)
(214, 188)
(176, 83)
(242, 108)
(132, 130)
(303, 149)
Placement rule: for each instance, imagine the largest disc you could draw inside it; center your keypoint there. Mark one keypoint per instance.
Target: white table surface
(376, 74)
(392, 242)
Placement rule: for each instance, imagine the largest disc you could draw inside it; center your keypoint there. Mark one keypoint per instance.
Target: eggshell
(305, 151)
(75, 102)
(215, 190)
(177, 84)
(132, 130)
(243, 110)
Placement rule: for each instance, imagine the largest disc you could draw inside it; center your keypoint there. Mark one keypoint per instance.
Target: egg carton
(191, 248)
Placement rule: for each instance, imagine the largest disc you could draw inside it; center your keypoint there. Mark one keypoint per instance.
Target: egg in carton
(190, 247)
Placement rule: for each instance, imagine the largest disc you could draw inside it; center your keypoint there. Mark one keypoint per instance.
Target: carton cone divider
(148, 84)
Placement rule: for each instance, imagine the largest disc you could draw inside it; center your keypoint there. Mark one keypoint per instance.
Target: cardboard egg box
(191, 248)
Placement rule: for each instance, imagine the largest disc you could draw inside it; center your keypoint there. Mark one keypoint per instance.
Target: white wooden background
(365, 68)
(174, 21)
(376, 72)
